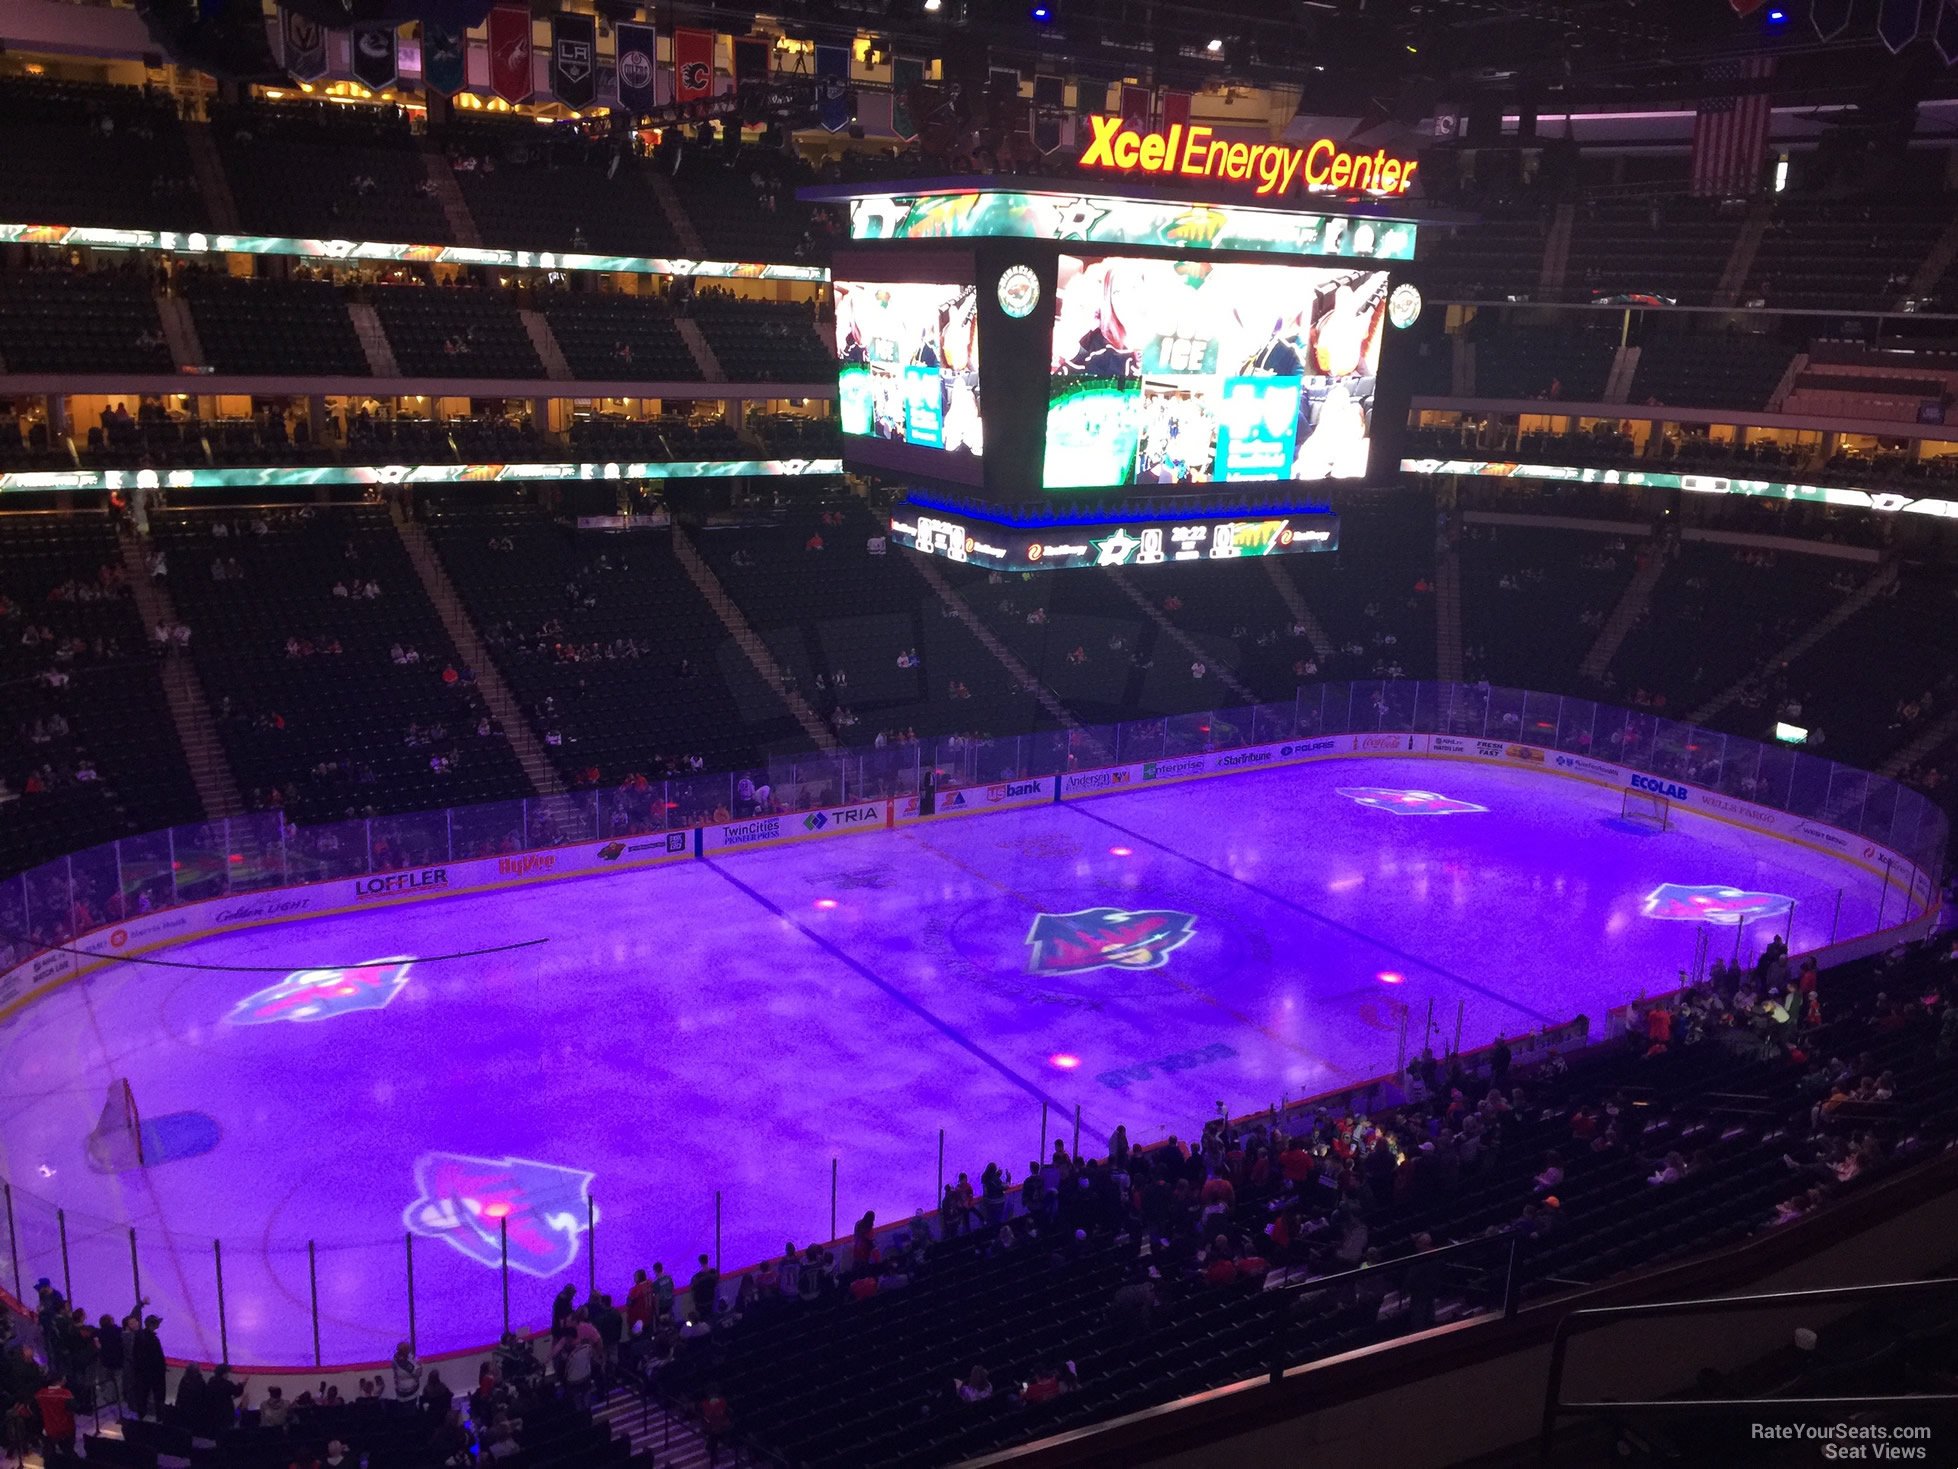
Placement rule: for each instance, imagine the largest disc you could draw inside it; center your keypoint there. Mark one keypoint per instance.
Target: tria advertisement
(1194, 152)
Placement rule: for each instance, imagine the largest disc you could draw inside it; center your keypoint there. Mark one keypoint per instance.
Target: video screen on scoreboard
(908, 363)
(1189, 372)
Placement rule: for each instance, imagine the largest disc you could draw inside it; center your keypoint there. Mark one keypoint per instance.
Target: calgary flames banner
(693, 66)
(1192, 151)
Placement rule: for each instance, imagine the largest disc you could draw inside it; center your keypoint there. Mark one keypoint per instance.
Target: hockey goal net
(116, 1145)
(1642, 808)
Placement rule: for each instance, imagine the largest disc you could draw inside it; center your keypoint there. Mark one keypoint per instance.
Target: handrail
(1589, 1317)
(1290, 1291)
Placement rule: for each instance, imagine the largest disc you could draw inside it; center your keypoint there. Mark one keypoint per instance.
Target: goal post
(1642, 808)
(116, 1145)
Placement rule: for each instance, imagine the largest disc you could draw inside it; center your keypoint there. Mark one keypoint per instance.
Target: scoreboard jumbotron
(1064, 378)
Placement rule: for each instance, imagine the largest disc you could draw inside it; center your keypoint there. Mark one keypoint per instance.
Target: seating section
(554, 1434)
(1534, 600)
(1717, 614)
(1494, 259)
(1874, 683)
(1848, 255)
(316, 714)
(318, 171)
(263, 326)
(763, 341)
(621, 664)
(1124, 1285)
(1375, 595)
(1544, 362)
(664, 438)
(440, 332)
(824, 604)
(1708, 369)
(91, 153)
(619, 338)
(1671, 247)
(56, 321)
(87, 748)
(538, 188)
(798, 436)
(744, 208)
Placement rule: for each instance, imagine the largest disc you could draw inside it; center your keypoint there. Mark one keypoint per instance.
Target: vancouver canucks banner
(442, 58)
(907, 76)
(833, 87)
(374, 59)
(574, 58)
(638, 53)
(305, 46)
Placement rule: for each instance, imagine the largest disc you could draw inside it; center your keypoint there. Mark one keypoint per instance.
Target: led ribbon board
(1143, 541)
(1192, 151)
(1101, 219)
(1696, 484)
(198, 242)
(403, 474)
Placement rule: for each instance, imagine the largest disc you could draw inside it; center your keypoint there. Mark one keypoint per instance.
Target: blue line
(1061, 1109)
(1284, 902)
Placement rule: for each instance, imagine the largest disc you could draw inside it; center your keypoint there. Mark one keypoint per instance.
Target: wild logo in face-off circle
(474, 1204)
(1106, 938)
(321, 994)
(1710, 903)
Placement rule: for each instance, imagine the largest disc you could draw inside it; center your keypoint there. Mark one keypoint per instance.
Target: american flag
(1730, 130)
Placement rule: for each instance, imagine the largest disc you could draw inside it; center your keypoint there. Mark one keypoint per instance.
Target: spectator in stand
(702, 1291)
(407, 1374)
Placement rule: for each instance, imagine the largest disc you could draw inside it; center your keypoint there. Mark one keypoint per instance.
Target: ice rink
(742, 1025)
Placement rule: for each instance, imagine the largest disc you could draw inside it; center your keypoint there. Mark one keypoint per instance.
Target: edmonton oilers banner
(509, 48)
(305, 46)
(574, 58)
(443, 68)
(833, 87)
(374, 62)
(638, 54)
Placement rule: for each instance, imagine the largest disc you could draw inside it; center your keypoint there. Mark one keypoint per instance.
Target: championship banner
(1137, 104)
(305, 46)
(442, 58)
(638, 60)
(509, 46)
(750, 62)
(1049, 112)
(907, 76)
(574, 58)
(375, 66)
(833, 87)
(693, 66)
(1176, 109)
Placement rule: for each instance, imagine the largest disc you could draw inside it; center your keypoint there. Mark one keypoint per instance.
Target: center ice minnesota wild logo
(1106, 938)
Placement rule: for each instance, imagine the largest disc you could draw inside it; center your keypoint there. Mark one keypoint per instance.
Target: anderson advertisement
(1186, 372)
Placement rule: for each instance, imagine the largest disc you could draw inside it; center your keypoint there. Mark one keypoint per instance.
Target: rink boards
(115, 942)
